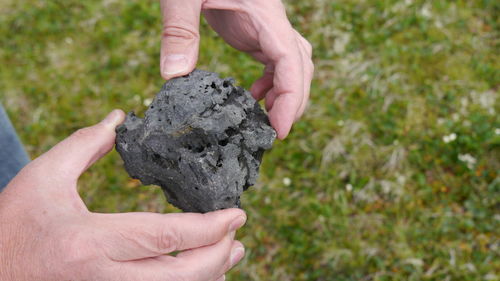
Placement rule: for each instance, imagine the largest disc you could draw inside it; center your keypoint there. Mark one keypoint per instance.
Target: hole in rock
(223, 142)
(219, 162)
(230, 132)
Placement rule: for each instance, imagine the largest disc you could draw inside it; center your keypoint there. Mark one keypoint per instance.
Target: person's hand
(258, 27)
(47, 233)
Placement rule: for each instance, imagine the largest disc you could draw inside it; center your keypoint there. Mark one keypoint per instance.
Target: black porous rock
(202, 141)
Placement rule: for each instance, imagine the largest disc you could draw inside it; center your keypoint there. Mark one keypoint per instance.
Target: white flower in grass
(426, 11)
(147, 101)
(449, 138)
(401, 179)
(287, 181)
(438, 24)
(490, 276)
(497, 131)
(469, 266)
(468, 159)
(414, 261)
(133, 63)
(348, 187)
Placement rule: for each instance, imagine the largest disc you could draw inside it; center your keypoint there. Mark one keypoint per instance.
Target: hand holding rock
(47, 233)
(257, 27)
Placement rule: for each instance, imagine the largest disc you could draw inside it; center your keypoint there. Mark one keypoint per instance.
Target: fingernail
(232, 234)
(222, 278)
(236, 255)
(113, 118)
(237, 223)
(174, 64)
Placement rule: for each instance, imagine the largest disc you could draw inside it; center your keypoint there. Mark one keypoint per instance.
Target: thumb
(180, 38)
(71, 157)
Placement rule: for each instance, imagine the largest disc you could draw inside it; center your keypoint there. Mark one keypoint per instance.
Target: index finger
(278, 42)
(132, 236)
(286, 96)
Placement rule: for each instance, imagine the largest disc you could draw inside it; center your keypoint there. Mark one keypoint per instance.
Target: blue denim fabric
(12, 154)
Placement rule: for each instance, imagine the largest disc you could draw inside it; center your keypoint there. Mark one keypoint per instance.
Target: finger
(213, 261)
(202, 264)
(270, 98)
(308, 66)
(288, 90)
(263, 84)
(278, 45)
(134, 236)
(288, 81)
(71, 157)
(180, 38)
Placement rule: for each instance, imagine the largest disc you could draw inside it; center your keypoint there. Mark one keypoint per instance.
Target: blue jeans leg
(12, 154)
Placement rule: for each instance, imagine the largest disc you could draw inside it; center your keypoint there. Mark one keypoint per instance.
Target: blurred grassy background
(392, 174)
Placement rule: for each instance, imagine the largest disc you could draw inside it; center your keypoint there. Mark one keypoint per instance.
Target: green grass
(375, 192)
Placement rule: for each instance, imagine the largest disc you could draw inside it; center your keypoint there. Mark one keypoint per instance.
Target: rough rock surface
(202, 141)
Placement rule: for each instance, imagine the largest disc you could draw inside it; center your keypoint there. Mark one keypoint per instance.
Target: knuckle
(84, 132)
(167, 240)
(308, 47)
(180, 31)
(283, 51)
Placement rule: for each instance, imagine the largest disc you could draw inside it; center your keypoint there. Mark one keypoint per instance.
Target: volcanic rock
(202, 141)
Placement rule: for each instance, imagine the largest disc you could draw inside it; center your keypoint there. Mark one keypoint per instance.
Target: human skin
(47, 233)
(257, 27)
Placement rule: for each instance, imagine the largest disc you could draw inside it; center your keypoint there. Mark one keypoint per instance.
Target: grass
(392, 174)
